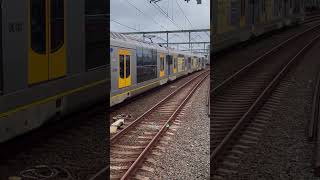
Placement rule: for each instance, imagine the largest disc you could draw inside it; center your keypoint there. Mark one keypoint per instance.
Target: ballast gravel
(187, 156)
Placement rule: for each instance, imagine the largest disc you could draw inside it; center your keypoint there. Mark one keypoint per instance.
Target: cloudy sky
(141, 15)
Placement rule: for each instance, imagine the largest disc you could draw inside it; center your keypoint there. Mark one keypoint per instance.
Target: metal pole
(167, 39)
(189, 40)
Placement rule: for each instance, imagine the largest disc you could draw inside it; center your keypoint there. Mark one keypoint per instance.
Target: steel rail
(314, 126)
(164, 128)
(103, 173)
(226, 82)
(136, 121)
(257, 104)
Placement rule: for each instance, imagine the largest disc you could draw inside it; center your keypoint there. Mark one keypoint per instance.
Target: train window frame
(243, 6)
(161, 63)
(57, 18)
(154, 57)
(94, 7)
(128, 65)
(38, 21)
(147, 68)
(184, 64)
(147, 56)
(139, 55)
(121, 68)
(96, 35)
(169, 59)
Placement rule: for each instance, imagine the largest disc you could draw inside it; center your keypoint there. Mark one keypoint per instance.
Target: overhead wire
(146, 15)
(188, 18)
(124, 25)
(165, 14)
(142, 12)
(156, 6)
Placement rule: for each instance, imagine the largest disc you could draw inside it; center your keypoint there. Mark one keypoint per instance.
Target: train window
(147, 57)
(128, 66)
(169, 59)
(57, 24)
(154, 57)
(146, 64)
(263, 8)
(174, 62)
(94, 7)
(161, 63)
(243, 7)
(139, 54)
(121, 61)
(96, 29)
(183, 64)
(38, 25)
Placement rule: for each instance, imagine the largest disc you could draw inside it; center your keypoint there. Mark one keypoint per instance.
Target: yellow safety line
(52, 98)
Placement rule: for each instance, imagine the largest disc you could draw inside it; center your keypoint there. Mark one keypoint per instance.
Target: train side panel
(151, 66)
(231, 23)
(27, 102)
(238, 20)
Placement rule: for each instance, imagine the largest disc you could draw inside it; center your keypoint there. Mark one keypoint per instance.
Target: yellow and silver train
(138, 66)
(236, 21)
(52, 55)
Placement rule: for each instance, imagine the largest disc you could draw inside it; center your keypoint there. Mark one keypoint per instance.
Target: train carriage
(231, 23)
(267, 15)
(150, 65)
(312, 5)
(134, 67)
(52, 55)
(238, 20)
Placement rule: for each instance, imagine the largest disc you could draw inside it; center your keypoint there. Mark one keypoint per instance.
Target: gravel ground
(187, 154)
(284, 151)
(227, 64)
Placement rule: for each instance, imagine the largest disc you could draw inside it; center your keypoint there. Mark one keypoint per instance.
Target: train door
(169, 64)
(174, 64)
(162, 65)
(124, 75)
(47, 34)
(193, 60)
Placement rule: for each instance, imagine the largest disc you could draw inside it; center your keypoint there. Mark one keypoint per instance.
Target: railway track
(227, 63)
(314, 127)
(310, 19)
(237, 101)
(130, 147)
(146, 100)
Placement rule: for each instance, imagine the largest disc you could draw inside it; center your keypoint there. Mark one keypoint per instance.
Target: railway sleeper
(248, 137)
(247, 142)
(225, 171)
(231, 165)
